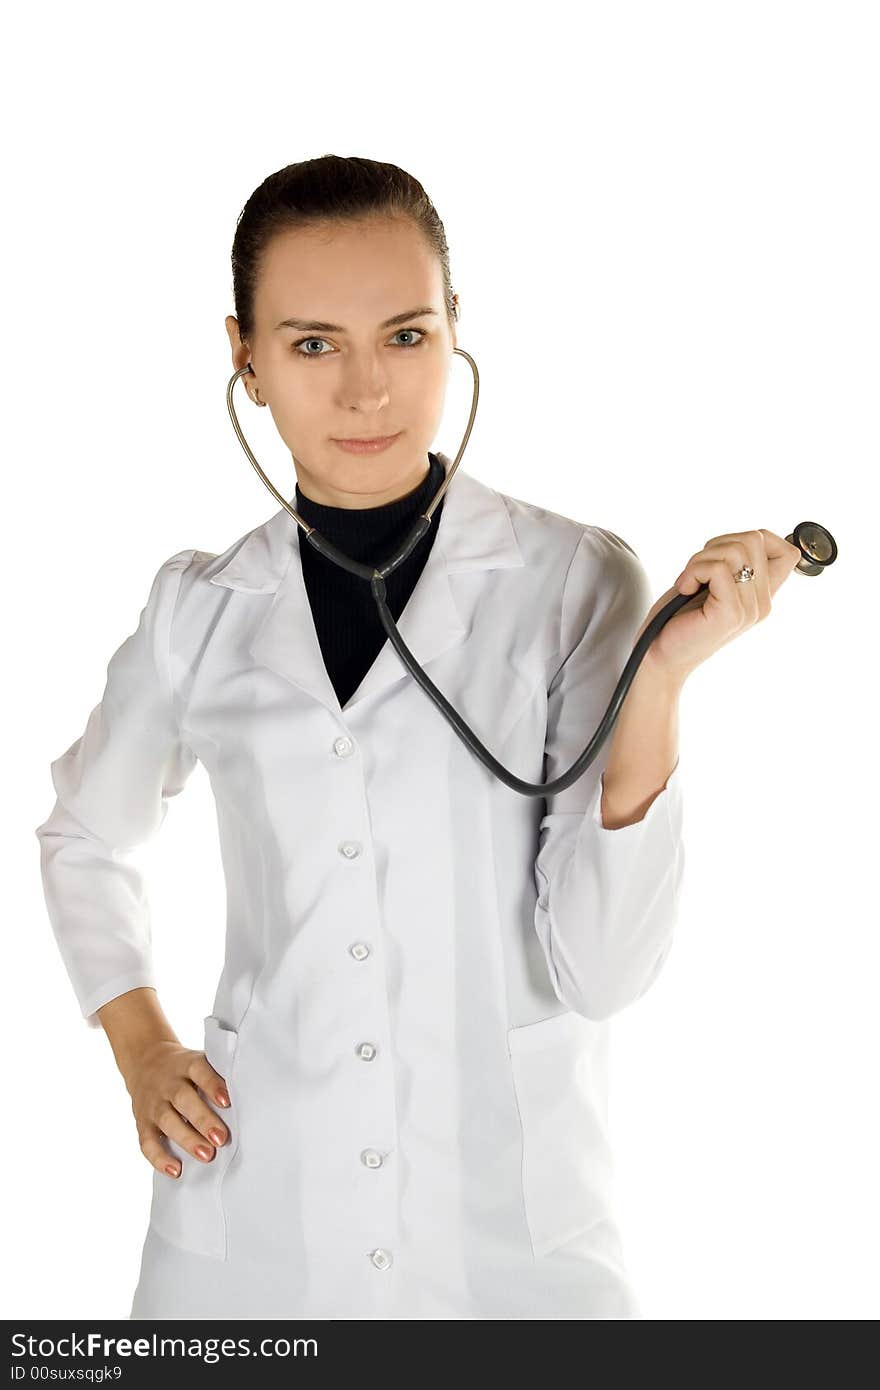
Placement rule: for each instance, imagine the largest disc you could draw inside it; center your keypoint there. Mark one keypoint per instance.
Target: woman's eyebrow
(316, 326)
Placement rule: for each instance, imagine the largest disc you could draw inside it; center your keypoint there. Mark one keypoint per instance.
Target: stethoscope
(817, 546)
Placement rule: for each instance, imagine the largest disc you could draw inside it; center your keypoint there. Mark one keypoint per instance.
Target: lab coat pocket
(189, 1210)
(560, 1078)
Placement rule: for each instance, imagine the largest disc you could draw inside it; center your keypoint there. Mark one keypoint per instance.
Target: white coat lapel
(474, 533)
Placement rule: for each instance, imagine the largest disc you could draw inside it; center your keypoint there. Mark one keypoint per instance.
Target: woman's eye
(302, 343)
(422, 336)
(309, 341)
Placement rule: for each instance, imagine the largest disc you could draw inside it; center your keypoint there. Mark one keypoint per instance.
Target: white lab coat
(421, 963)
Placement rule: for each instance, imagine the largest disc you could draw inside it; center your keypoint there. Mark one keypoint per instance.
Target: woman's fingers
(154, 1150)
(191, 1123)
(171, 1087)
(777, 557)
(174, 1126)
(782, 556)
(185, 1118)
(750, 546)
(208, 1080)
(717, 563)
(727, 606)
(716, 568)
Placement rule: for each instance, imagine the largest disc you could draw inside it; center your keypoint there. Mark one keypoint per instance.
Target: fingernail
(222, 1098)
(215, 1136)
(203, 1151)
(171, 1170)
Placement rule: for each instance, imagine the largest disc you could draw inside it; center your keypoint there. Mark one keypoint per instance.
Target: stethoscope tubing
(821, 551)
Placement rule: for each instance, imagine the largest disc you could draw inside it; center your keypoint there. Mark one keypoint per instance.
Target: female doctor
(400, 1107)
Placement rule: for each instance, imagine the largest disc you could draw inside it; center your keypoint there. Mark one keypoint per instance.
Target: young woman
(400, 1108)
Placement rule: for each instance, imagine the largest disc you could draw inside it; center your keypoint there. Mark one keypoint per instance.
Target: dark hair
(330, 188)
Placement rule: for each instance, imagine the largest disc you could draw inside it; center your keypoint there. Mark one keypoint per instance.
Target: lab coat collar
(474, 532)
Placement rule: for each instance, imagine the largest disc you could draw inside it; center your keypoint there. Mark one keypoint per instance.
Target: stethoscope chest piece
(817, 546)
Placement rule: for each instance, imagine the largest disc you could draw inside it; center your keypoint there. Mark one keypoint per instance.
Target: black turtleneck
(349, 629)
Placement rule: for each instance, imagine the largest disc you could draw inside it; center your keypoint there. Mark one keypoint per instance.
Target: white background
(663, 226)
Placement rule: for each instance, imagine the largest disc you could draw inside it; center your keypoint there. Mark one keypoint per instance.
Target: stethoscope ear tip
(817, 546)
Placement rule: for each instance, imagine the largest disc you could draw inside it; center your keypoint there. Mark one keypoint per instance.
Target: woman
(421, 964)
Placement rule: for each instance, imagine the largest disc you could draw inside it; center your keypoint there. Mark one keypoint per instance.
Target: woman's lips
(367, 446)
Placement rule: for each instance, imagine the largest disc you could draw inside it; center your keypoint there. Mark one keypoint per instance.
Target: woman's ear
(456, 314)
(235, 340)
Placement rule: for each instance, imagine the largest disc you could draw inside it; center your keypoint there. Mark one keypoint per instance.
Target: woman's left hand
(724, 610)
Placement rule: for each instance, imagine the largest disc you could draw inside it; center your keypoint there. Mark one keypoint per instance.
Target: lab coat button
(366, 1051)
(343, 746)
(370, 1158)
(381, 1258)
(350, 848)
(360, 950)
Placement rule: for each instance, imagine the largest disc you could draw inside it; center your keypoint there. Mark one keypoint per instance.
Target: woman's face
(342, 371)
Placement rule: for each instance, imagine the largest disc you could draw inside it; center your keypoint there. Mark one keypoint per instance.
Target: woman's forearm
(644, 747)
(132, 1021)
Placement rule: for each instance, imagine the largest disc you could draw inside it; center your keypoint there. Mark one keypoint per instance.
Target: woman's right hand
(164, 1082)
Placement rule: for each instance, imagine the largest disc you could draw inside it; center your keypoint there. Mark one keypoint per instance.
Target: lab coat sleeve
(607, 898)
(112, 787)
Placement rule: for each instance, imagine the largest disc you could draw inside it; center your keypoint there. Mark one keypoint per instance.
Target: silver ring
(744, 575)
